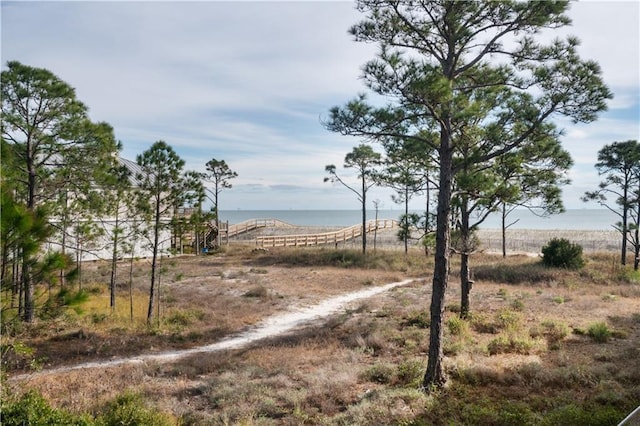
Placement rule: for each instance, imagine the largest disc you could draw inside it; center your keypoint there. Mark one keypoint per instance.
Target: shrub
(599, 332)
(258, 291)
(553, 331)
(517, 305)
(562, 253)
(420, 319)
(379, 373)
(32, 409)
(457, 326)
(573, 414)
(129, 409)
(409, 373)
(505, 345)
(508, 320)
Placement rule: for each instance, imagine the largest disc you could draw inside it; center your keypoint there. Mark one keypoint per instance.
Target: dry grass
(522, 356)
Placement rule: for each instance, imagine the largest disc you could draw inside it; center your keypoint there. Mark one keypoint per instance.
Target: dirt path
(269, 327)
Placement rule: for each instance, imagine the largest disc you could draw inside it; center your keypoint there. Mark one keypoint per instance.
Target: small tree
(120, 207)
(159, 191)
(406, 171)
(219, 174)
(562, 253)
(366, 161)
(532, 177)
(620, 165)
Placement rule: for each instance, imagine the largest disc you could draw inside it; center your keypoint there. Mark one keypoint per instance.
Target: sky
(251, 83)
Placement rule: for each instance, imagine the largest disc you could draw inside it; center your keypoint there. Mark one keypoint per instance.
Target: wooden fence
(334, 237)
(250, 225)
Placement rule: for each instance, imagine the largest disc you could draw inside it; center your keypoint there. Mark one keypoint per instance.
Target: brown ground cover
(528, 355)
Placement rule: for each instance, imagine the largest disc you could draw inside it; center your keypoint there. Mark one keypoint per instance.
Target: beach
(528, 241)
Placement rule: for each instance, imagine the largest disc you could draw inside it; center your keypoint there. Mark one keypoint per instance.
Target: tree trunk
(16, 283)
(625, 215)
(636, 261)
(133, 251)
(217, 213)
(465, 282)
(27, 284)
(375, 230)
(114, 261)
(406, 220)
(156, 240)
(504, 230)
(434, 376)
(364, 215)
(426, 218)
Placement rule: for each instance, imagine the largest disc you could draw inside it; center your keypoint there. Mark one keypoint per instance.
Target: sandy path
(269, 327)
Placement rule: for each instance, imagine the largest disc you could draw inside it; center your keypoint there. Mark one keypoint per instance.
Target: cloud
(248, 82)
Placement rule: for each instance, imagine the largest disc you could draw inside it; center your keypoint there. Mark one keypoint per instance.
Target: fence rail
(250, 225)
(532, 241)
(333, 237)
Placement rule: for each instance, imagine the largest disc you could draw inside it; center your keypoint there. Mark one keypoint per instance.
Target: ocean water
(579, 219)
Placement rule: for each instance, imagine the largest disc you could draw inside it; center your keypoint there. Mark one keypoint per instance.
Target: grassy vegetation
(522, 358)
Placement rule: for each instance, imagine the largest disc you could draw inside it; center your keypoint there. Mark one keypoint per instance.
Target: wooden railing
(250, 225)
(333, 237)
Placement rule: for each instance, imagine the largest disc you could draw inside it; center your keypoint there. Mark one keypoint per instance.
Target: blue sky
(250, 82)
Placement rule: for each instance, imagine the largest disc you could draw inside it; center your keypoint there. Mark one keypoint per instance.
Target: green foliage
(508, 320)
(63, 299)
(507, 413)
(366, 162)
(32, 409)
(619, 163)
(17, 355)
(409, 373)
(599, 332)
(420, 319)
(512, 344)
(587, 415)
(378, 373)
(562, 253)
(183, 318)
(628, 275)
(469, 246)
(129, 409)
(517, 305)
(457, 326)
(553, 331)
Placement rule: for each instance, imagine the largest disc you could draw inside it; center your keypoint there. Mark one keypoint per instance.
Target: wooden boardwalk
(325, 238)
(251, 225)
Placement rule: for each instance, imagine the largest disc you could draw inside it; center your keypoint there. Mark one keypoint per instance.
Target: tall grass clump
(599, 332)
(562, 253)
